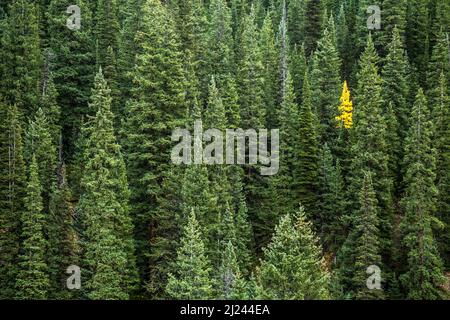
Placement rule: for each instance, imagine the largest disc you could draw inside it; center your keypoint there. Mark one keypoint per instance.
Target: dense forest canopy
(357, 92)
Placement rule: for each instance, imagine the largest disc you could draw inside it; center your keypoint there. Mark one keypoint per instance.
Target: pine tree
(306, 170)
(313, 24)
(369, 149)
(332, 201)
(130, 13)
(441, 118)
(245, 243)
(197, 194)
(440, 19)
(39, 143)
(250, 84)
(362, 32)
(12, 192)
(21, 57)
(395, 95)
(63, 249)
(32, 279)
(438, 64)
(192, 24)
(220, 187)
(326, 83)
(344, 43)
(293, 268)
(394, 148)
(250, 79)
(192, 278)
(220, 42)
(269, 56)
(367, 244)
(108, 244)
(157, 107)
(72, 67)
(231, 285)
(51, 109)
(106, 30)
(298, 67)
(424, 275)
(393, 17)
(295, 10)
(417, 36)
(286, 185)
(395, 81)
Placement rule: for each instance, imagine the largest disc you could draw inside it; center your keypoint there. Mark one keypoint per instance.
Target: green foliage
(108, 246)
(156, 108)
(293, 268)
(72, 54)
(306, 172)
(313, 24)
(424, 276)
(441, 118)
(38, 143)
(20, 54)
(32, 279)
(326, 83)
(369, 145)
(366, 241)
(12, 191)
(192, 278)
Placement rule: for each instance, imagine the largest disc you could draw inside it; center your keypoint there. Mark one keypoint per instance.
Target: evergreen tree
(313, 24)
(332, 201)
(298, 67)
(369, 149)
(106, 30)
(20, 69)
(293, 268)
(72, 66)
(32, 278)
(367, 243)
(393, 17)
(440, 19)
(231, 284)
(220, 42)
(130, 11)
(12, 192)
(250, 79)
(362, 32)
(107, 238)
(192, 278)
(157, 107)
(63, 248)
(306, 169)
(295, 13)
(40, 145)
(326, 83)
(424, 275)
(51, 109)
(438, 64)
(417, 37)
(441, 118)
(242, 224)
(344, 43)
(395, 95)
(286, 185)
(269, 57)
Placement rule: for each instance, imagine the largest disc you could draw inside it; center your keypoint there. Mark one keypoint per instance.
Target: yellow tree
(346, 108)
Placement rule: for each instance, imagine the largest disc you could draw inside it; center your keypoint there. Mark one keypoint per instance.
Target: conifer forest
(224, 149)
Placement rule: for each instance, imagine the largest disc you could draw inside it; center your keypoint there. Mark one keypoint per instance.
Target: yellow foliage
(346, 108)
